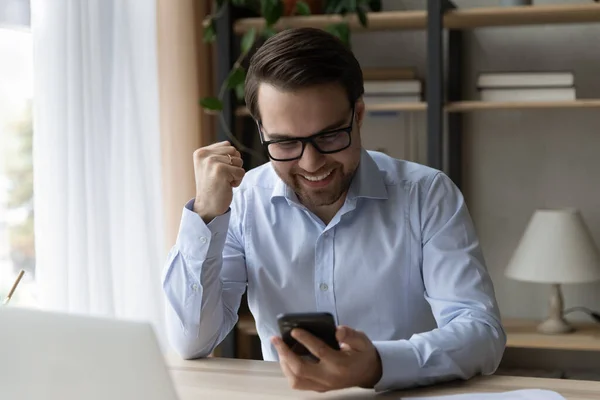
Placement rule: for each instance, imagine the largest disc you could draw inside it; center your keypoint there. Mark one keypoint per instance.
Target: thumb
(352, 339)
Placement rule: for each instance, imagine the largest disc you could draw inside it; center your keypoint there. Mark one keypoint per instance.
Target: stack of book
(392, 91)
(386, 129)
(391, 85)
(526, 86)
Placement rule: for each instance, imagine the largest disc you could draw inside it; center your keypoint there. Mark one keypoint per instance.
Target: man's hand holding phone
(356, 363)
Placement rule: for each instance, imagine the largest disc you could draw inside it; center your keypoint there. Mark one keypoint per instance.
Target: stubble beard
(329, 195)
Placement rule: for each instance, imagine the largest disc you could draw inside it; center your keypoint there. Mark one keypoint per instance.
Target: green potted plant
(272, 11)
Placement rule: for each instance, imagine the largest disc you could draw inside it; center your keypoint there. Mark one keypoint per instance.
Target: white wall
(517, 161)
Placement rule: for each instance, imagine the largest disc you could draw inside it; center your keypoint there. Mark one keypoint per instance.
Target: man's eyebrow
(283, 136)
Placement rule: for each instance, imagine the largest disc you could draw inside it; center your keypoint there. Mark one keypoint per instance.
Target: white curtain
(97, 189)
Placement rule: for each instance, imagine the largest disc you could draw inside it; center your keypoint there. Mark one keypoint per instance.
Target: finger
(236, 173)
(315, 345)
(345, 347)
(235, 161)
(296, 382)
(208, 152)
(232, 151)
(219, 144)
(356, 340)
(225, 146)
(297, 366)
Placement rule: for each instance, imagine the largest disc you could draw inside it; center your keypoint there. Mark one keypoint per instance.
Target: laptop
(52, 356)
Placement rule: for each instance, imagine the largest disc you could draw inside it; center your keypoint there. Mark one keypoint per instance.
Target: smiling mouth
(317, 178)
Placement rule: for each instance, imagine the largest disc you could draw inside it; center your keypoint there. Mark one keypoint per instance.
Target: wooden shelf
(379, 21)
(523, 334)
(477, 17)
(242, 111)
(418, 106)
(466, 106)
(525, 15)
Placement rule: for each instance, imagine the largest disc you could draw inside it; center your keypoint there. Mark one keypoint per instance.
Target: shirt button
(324, 287)
(195, 287)
(326, 234)
(203, 239)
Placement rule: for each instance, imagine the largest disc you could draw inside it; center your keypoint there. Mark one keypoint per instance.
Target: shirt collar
(368, 182)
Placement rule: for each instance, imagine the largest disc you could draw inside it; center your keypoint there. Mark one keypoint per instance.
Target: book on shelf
(528, 94)
(393, 87)
(389, 73)
(490, 80)
(371, 100)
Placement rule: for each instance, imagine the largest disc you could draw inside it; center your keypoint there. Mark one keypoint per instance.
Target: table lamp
(556, 248)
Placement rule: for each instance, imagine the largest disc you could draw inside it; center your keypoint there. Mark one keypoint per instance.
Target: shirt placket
(324, 262)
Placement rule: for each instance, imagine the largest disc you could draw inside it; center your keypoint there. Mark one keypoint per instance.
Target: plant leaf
(302, 8)
(341, 30)
(240, 91)
(248, 40)
(220, 4)
(362, 16)
(236, 77)
(268, 32)
(210, 31)
(211, 103)
(271, 10)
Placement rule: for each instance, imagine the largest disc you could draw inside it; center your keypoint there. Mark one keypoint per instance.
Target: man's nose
(312, 160)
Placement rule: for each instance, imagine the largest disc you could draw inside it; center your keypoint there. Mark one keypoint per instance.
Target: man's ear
(359, 111)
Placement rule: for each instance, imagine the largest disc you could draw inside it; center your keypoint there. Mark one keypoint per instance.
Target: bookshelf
(380, 21)
(444, 96)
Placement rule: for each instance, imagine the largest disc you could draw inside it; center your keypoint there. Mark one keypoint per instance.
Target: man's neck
(326, 213)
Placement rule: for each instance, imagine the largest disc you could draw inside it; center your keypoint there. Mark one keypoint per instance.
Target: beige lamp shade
(556, 248)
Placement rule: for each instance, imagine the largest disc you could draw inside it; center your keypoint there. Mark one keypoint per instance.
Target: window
(17, 248)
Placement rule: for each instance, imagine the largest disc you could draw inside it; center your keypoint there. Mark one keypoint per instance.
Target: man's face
(317, 179)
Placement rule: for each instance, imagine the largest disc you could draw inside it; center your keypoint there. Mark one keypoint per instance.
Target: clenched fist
(218, 169)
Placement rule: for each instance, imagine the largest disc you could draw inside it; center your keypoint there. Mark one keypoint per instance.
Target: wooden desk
(219, 378)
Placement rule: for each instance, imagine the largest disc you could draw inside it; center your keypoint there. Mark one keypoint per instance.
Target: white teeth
(317, 178)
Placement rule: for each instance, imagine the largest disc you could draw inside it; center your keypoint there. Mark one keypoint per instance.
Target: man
(384, 245)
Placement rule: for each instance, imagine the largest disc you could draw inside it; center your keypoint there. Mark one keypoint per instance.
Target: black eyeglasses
(326, 142)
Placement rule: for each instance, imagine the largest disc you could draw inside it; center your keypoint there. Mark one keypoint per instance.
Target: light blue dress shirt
(400, 261)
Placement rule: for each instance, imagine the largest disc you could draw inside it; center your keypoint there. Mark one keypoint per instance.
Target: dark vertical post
(455, 74)
(435, 83)
(225, 59)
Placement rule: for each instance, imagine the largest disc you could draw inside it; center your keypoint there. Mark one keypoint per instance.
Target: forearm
(198, 316)
(471, 344)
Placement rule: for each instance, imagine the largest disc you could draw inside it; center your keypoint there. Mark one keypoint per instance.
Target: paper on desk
(524, 394)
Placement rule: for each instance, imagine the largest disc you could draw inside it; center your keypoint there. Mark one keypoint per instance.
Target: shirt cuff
(399, 365)
(198, 240)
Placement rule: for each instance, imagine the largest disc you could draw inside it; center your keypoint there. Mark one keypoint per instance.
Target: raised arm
(205, 273)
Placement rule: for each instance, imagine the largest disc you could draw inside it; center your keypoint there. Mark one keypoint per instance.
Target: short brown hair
(299, 58)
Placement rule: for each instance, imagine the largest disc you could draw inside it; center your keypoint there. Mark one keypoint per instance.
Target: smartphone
(319, 324)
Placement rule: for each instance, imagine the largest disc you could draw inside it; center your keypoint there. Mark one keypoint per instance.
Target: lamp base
(555, 326)
(556, 323)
